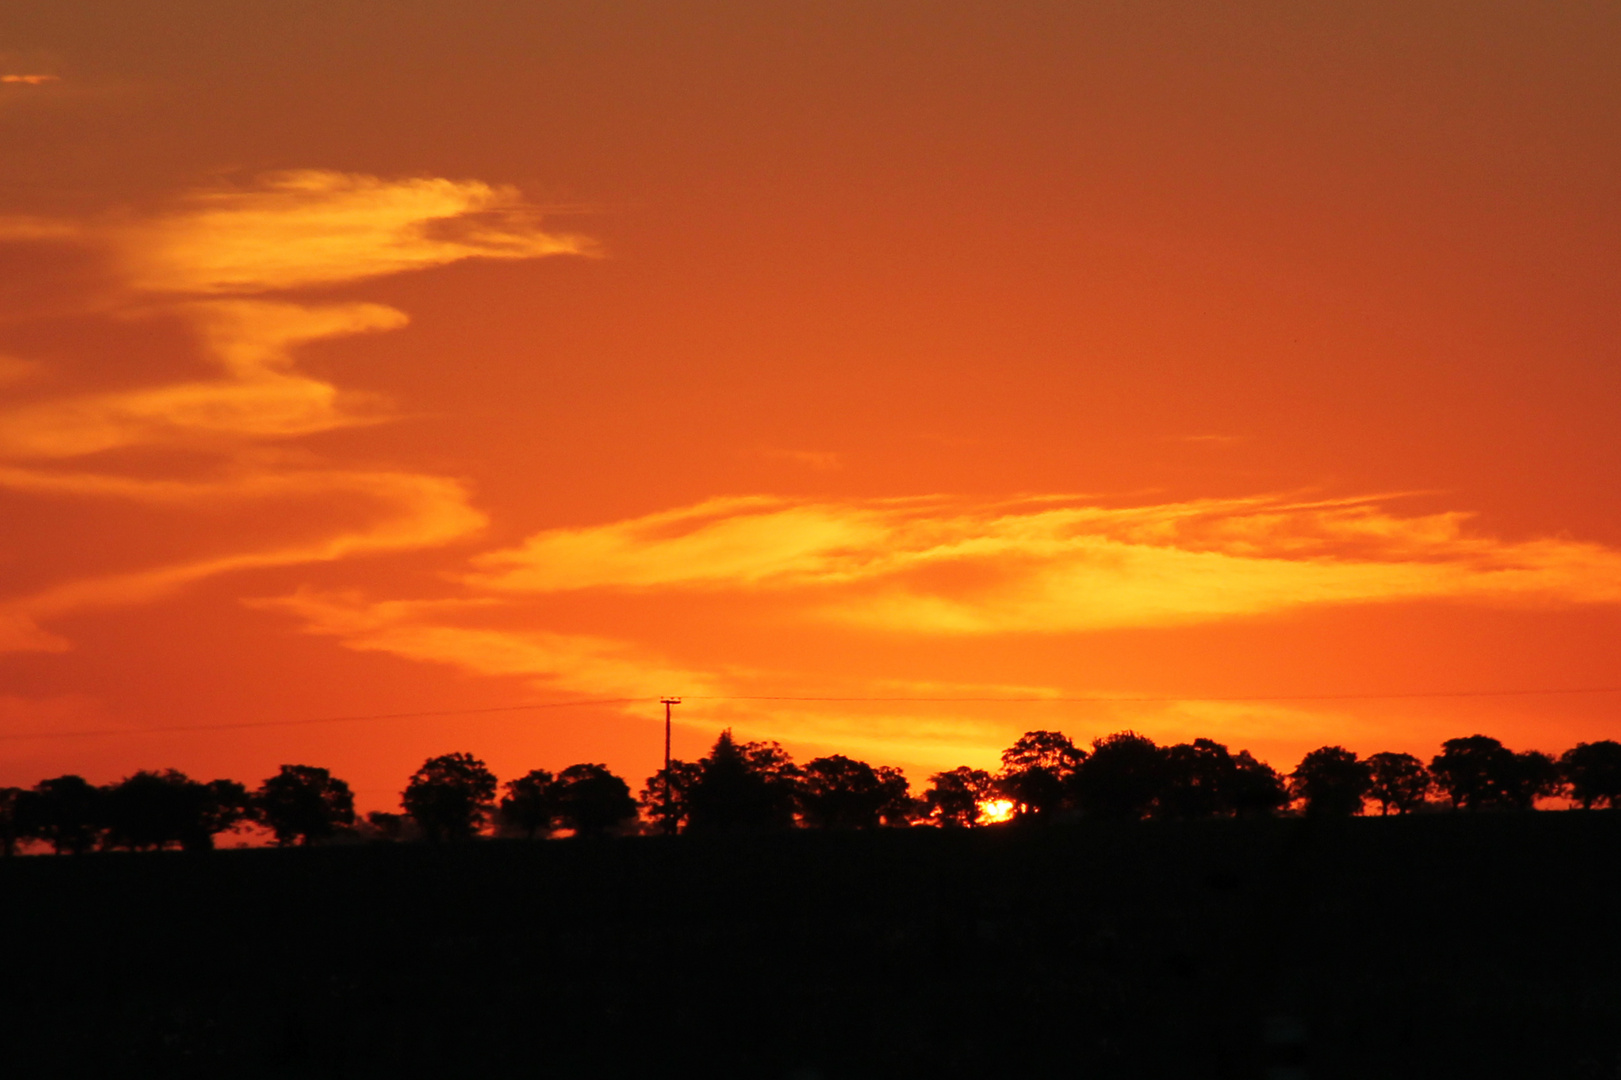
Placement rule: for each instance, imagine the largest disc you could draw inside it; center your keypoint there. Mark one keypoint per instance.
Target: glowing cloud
(1050, 565)
(261, 397)
(316, 227)
(292, 230)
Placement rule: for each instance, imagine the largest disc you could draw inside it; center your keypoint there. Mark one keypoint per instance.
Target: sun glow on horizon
(996, 811)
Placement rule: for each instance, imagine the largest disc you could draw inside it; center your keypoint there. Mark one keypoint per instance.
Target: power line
(1087, 699)
(312, 720)
(1095, 698)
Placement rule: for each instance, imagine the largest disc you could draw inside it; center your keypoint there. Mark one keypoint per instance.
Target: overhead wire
(576, 703)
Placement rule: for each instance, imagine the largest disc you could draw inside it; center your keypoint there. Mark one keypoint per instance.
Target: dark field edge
(1429, 946)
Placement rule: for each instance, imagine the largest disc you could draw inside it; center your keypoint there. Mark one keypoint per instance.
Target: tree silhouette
(1532, 775)
(837, 792)
(151, 810)
(1121, 778)
(1197, 780)
(450, 797)
(1476, 772)
(1038, 771)
(667, 807)
(954, 797)
(9, 828)
(1255, 788)
(382, 825)
(1400, 782)
(898, 807)
(591, 800)
(1593, 771)
(303, 804)
(743, 787)
(68, 812)
(530, 804)
(1332, 782)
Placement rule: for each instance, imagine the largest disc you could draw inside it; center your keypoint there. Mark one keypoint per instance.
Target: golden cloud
(411, 511)
(261, 396)
(1057, 564)
(317, 227)
(290, 230)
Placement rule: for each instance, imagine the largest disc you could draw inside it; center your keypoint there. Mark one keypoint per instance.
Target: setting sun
(994, 811)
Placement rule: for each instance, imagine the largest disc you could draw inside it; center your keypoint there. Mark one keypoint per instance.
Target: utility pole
(669, 795)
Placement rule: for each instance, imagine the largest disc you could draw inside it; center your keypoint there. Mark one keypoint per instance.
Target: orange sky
(363, 358)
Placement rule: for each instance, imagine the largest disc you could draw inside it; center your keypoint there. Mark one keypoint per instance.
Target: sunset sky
(1245, 370)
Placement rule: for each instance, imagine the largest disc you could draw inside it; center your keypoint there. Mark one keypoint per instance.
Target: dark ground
(1446, 945)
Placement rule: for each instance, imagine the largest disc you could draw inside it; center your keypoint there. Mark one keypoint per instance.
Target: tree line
(757, 786)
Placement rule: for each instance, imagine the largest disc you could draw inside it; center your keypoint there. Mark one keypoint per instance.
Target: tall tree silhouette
(1197, 780)
(1038, 773)
(666, 807)
(837, 792)
(152, 810)
(743, 787)
(591, 800)
(68, 812)
(954, 796)
(1593, 771)
(530, 804)
(1332, 782)
(1476, 772)
(1121, 778)
(450, 797)
(1400, 782)
(303, 804)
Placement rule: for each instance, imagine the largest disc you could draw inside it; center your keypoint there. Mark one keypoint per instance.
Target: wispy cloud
(317, 227)
(1056, 565)
(261, 395)
(205, 261)
(28, 80)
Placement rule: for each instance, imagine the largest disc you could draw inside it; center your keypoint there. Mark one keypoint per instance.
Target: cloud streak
(1056, 564)
(206, 261)
(316, 227)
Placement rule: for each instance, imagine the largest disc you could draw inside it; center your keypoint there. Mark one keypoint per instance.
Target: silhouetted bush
(591, 800)
(450, 797)
(1331, 782)
(382, 826)
(1593, 771)
(303, 804)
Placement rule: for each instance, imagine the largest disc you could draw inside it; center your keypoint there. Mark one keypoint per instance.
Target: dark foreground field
(1436, 946)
